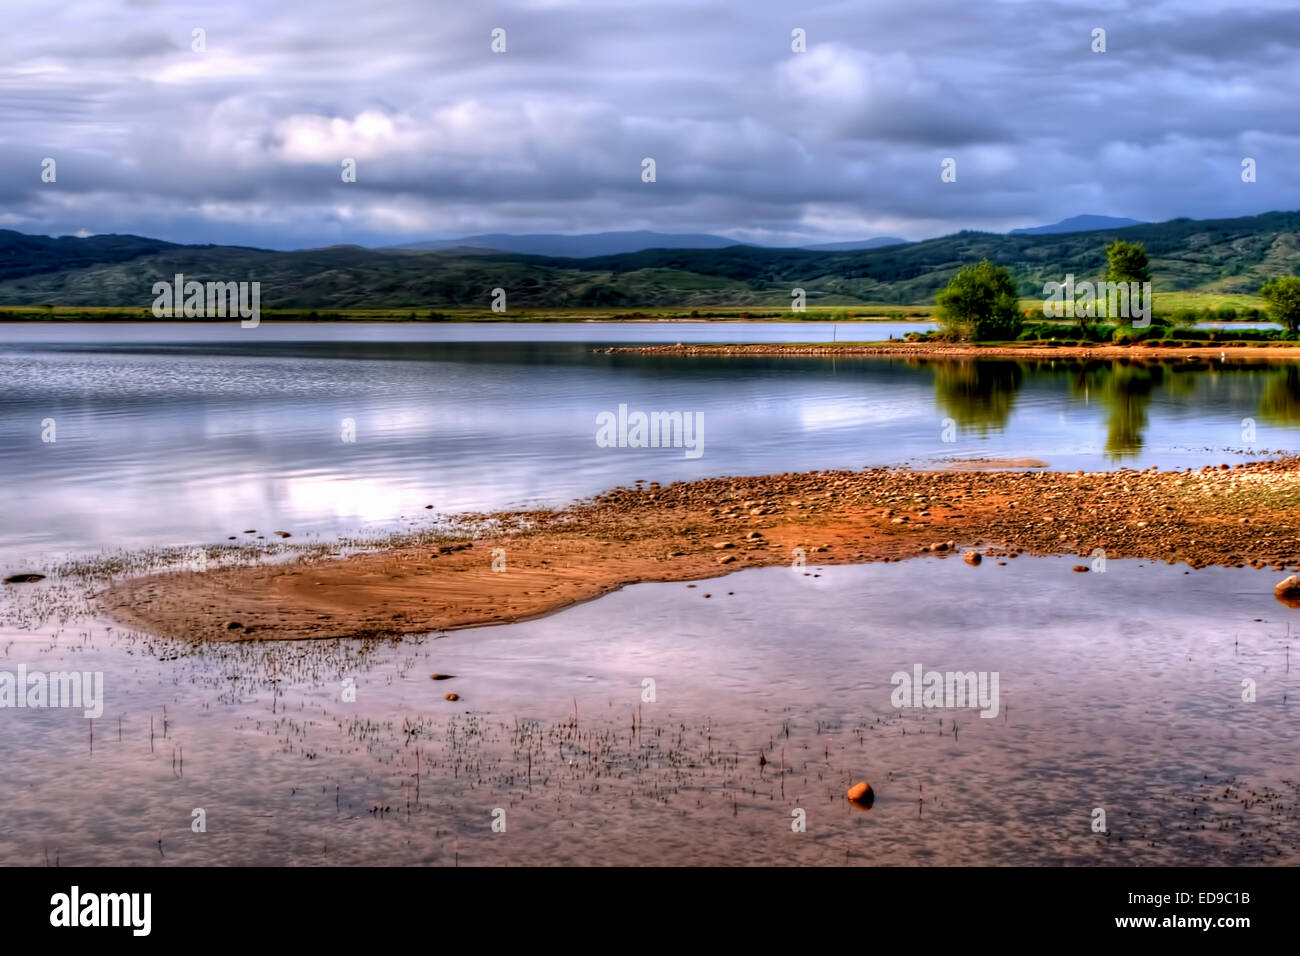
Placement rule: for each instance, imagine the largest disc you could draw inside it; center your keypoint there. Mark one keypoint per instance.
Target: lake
(1119, 691)
(187, 434)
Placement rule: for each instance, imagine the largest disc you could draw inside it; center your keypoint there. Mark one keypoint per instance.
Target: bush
(980, 304)
(1283, 297)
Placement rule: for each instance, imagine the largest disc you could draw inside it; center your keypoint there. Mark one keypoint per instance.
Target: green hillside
(1223, 257)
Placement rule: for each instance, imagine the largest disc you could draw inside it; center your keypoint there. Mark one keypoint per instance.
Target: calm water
(186, 434)
(1137, 713)
(1119, 690)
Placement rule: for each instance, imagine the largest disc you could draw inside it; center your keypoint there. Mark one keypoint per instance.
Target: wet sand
(551, 559)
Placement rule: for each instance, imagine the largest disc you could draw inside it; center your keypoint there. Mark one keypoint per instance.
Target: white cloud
(242, 143)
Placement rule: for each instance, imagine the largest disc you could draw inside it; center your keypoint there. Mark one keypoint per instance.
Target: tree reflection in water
(1280, 402)
(978, 394)
(1124, 390)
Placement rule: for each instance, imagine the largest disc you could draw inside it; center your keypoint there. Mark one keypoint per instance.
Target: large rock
(1288, 591)
(862, 794)
(1290, 587)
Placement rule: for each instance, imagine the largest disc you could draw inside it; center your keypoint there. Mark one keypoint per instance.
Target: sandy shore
(1247, 514)
(944, 350)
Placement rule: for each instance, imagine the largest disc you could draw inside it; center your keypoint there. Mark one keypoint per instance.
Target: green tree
(1283, 297)
(980, 303)
(1127, 262)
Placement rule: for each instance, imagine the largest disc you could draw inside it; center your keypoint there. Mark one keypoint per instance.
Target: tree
(980, 303)
(1283, 297)
(1127, 262)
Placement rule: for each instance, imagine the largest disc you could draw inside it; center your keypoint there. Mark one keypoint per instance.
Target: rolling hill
(1221, 256)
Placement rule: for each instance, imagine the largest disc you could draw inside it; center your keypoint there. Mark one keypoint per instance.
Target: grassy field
(1166, 303)
(1169, 303)
(1174, 301)
(922, 313)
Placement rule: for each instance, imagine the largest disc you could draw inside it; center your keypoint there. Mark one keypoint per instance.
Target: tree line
(981, 304)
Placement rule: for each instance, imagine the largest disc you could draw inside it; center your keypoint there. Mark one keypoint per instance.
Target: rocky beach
(533, 563)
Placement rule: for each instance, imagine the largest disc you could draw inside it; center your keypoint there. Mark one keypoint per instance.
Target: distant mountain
(612, 243)
(577, 247)
(1079, 224)
(875, 243)
(1216, 255)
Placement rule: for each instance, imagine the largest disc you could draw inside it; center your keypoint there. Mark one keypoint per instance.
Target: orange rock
(861, 793)
(1288, 591)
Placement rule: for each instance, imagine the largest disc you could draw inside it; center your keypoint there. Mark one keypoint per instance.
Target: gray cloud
(243, 143)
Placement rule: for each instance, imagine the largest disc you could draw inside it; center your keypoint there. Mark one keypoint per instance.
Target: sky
(243, 141)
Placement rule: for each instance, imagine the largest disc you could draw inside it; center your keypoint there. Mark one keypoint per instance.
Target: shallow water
(1139, 713)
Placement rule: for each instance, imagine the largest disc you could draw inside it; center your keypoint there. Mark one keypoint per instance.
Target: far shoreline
(1031, 350)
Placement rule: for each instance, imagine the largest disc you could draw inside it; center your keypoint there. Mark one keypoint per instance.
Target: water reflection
(983, 395)
(1280, 402)
(976, 393)
(177, 436)
(1125, 391)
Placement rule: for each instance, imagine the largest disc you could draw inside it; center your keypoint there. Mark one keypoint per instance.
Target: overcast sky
(243, 143)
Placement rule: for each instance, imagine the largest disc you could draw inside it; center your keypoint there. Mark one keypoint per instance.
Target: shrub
(1283, 297)
(980, 304)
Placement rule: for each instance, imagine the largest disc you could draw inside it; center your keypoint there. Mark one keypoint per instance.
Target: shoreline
(402, 316)
(1248, 514)
(944, 350)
